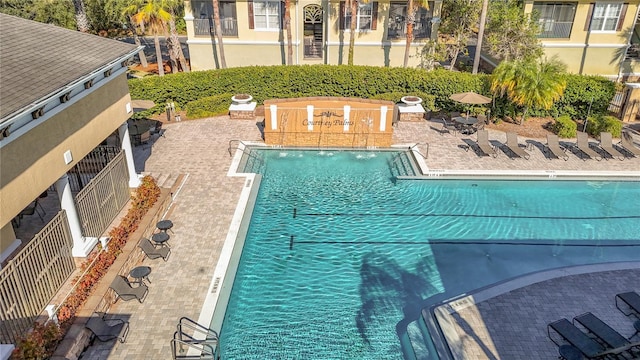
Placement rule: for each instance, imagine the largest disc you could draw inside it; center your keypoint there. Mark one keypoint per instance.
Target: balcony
(205, 27)
(555, 29)
(420, 31)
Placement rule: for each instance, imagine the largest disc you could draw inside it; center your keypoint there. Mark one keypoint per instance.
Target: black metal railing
(555, 29)
(206, 27)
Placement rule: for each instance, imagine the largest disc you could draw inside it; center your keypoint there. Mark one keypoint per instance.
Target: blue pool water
(340, 257)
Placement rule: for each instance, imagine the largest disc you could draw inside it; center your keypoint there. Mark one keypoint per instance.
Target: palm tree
(530, 83)
(128, 12)
(155, 18)
(353, 8)
(173, 43)
(483, 21)
(216, 21)
(412, 8)
(82, 23)
(287, 27)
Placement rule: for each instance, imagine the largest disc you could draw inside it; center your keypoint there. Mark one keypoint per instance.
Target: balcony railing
(206, 27)
(555, 29)
(399, 32)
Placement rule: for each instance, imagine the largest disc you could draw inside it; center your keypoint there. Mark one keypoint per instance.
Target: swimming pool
(340, 256)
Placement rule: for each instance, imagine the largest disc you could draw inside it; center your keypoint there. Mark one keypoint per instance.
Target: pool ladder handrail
(208, 347)
(425, 155)
(231, 147)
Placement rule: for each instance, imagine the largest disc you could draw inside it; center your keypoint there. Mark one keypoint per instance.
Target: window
(203, 17)
(266, 14)
(398, 24)
(555, 19)
(366, 18)
(605, 17)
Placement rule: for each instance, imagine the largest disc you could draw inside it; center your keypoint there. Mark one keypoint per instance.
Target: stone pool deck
(205, 202)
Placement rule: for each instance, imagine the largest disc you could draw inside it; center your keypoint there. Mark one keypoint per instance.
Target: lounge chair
(514, 147)
(631, 301)
(571, 334)
(485, 146)
(105, 332)
(582, 143)
(554, 149)
(606, 144)
(126, 292)
(601, 330)
(448, 126)
(153, 252)
(626, 141)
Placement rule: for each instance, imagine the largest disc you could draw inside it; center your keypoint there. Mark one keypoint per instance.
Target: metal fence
(617, 103)
(87, 168)
(101, 200)
(33, 277)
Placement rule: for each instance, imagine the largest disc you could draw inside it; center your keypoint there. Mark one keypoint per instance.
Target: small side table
(164, 225)
(140, 273)
(568, 352)
(160, 238)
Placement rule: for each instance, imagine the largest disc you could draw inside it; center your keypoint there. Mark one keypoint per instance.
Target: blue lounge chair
(571, 334)
(631, 301)
(601, 330)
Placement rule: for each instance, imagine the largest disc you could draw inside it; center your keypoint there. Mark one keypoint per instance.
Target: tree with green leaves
(412, 9)
(173, 43)
(128, 12)
(153, 17)
(459, 18)
(511, 34)
(530, 83)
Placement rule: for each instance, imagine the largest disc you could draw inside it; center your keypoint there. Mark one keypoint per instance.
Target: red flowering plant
(41, 342)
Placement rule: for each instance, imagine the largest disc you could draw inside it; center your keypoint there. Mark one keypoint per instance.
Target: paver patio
(203, 208)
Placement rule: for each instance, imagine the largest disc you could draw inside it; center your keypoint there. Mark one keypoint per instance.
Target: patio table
(466, 123)
(160, 238)
(140, 273)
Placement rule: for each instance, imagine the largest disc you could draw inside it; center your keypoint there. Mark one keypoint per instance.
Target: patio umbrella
(470, 98)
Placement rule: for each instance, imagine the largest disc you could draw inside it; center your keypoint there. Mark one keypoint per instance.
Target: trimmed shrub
(565, 127)
(209, 106)
(584, 94)
(604, 123)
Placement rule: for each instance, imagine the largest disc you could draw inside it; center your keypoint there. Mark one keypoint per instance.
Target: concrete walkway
(204, 205)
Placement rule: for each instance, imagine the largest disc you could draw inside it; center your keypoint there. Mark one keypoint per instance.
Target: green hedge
(435, 87)
(604, 123)
(209, 106)
(565, 127)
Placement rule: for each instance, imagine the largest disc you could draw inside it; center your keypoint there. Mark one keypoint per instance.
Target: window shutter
(250, 4)
(374, 15)
(587, 24)
(623, 12)
(342, 15)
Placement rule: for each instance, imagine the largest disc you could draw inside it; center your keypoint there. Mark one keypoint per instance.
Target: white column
(123, 131)
(274, 116)
(347, 118)
(81, 246)
(383, 118)
(310, 117)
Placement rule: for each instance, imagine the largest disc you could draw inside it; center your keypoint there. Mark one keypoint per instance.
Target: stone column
(123, 132)
(81, 246)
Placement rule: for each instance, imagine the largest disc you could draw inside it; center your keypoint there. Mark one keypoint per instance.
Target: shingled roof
(39, 59)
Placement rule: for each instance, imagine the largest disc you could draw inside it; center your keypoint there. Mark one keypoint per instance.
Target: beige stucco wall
(366, 124)
(261, 47)
(602, 51)
(34, 161)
